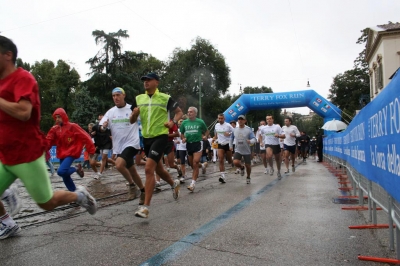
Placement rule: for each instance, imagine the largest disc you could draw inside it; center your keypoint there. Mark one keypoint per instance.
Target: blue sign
(263, 101)
(371, 143)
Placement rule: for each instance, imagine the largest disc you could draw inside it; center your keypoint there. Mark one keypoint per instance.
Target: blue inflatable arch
(263, 101)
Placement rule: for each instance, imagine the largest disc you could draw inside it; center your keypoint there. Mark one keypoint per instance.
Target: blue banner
(263, 101)
(371, 142)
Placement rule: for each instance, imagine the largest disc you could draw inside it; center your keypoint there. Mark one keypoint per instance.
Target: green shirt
(193, 129)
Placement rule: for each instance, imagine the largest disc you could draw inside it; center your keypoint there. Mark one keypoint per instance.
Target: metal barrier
(377, 196)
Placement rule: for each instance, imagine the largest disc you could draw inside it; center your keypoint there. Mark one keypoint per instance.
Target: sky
(280, 44)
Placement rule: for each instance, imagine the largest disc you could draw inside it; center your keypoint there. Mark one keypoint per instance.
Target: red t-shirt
(171, 131)
(20, 141)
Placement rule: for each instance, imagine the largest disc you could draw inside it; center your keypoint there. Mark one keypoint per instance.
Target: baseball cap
(118, 90)
(232, 122)
(150, 76)
(242, 117)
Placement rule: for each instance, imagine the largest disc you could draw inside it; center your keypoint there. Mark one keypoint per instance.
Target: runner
(243, 136)
(103, 142)
(181, 154)
(223, 132)
(154, 108)
(272, 133)
(233, 124)
(19, 120)
(304, 142)
(126, 142)
(192, 130)
(291, 132)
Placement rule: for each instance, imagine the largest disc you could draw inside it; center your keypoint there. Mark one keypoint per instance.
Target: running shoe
(293, 169)
(158, 184)
(287, 171)
(133, 192)
(97, 176)
(175, 189)
(142, 197)
(7, 231)
(242, 170)
(179, 171)
(279, 175)
(237, 171)
(271, 172)
(222, 179)
(203, 169)
(88, 202)
(12, 200)
(79, 170)
(191, 187)
(266, 171)
(142, 212)
(182, 180)
(248, 180)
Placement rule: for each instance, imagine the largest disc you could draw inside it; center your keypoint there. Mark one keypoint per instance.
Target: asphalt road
(292, 221)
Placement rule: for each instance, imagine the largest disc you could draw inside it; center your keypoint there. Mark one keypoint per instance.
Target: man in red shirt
(23, 145)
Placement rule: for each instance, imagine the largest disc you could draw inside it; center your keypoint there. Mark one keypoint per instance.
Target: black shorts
(262, 151)
(127, 154)
(181, 155)
(276, 149)
(291, 149)
(169, 147)
(257, 147)
(194, 147)
(223, 147)
(154, 147)
(246, 157)
(304, 148)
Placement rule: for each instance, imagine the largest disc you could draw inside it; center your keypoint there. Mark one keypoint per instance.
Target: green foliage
(57, 85)
(23, 64)
(347, 88)
(199, 73)
(86, 108)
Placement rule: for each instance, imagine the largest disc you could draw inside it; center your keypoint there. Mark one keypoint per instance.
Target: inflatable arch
(263, 101)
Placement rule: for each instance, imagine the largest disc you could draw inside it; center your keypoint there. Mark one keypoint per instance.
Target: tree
(347, 88)
(199, 73)
(86, 107)
(23, 64)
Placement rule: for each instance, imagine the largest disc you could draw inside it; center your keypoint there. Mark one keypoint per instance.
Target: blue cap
(150, 76)
(118, 90)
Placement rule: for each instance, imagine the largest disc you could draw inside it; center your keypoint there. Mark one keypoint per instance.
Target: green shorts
(34, 176)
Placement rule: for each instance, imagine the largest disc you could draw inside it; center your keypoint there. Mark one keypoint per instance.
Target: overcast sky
(275, 43)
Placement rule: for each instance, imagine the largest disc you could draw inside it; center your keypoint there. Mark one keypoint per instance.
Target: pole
(200, 96)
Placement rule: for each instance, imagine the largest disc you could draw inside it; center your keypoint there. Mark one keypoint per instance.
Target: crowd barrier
(367, 152)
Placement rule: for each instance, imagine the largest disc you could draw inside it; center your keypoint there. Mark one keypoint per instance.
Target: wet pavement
(293, 221)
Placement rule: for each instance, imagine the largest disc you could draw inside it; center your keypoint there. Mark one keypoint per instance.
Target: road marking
(187, 242)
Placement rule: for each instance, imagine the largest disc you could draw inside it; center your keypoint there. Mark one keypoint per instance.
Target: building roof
(380, 30)
(390, 26)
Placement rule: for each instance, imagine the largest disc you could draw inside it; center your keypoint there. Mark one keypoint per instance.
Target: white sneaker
(271, 172)
(12, 200)
(88, 202)
(97, 176)
(242, 171)
(142, 212)
(182, 179)
(237, 171)
(222, 178)
(191, 187)
(175, 189)
(266, 171)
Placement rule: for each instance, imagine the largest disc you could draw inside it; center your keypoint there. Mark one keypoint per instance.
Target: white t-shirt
(268, 133)
(290, 141)
(220, 130)
(181, 146)
(124, 134)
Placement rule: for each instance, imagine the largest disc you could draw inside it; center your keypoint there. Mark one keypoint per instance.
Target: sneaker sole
(222, 180)
(140, 215)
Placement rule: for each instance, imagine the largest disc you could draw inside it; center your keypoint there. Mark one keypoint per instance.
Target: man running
(223, 132)
(243, 137)
(192, 130)
(289, 143)
(154, 108)
(20, 120)
(304, 144)
(270, 135)
(126, 142)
